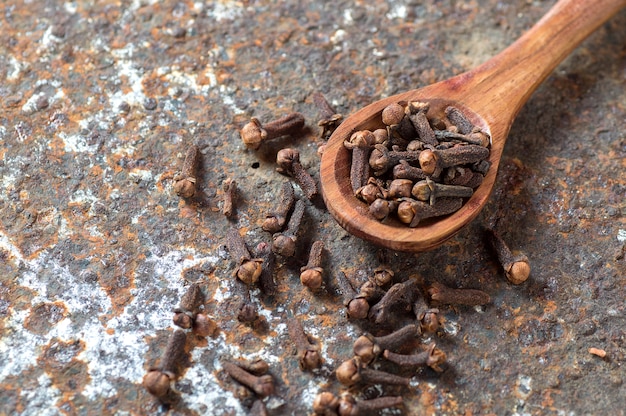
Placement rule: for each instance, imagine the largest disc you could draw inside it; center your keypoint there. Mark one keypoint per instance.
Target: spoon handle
(503, 84)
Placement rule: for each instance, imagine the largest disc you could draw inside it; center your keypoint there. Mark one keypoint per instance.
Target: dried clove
(361, 144)
(288, 161)
(275, 221)
(357, 307)
(400, 129)
(516, 267)
(190, 304)
(329, 118)
(433, 357)
(412, 212)
(399, 297)
(247, 311)
(266, 279)
(263, 385)
(254, 133)
(325, 404)
(349, 406)
(185, 185)
(383, 274)
(248, 269)
(444, 294)
(427, 317)
(284, 244)
(368, 347)
(230, 189)
(311, 275)
(373, 190)
(188, 315)
(351, 372)
(309, 356)
(257, 366)
(158, 379)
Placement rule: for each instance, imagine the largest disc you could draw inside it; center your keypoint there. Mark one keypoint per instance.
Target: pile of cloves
(188, 315)
(418, 166)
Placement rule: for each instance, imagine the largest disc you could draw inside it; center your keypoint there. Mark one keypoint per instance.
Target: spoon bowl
(490, 96)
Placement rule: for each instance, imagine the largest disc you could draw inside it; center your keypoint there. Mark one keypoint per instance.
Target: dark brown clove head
(348, 372)
(185, 188)
(157, 383)
(204, 326)
(325, 404)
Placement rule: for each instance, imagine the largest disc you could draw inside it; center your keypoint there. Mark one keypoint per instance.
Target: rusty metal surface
(98, 101)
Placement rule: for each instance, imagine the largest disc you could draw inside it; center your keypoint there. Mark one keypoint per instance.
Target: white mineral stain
(621, 235)
(226, 10)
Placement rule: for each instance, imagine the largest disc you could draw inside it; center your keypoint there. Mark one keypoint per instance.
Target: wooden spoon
(491, 95)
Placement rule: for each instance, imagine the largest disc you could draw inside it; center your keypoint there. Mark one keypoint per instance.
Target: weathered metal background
(98, 101)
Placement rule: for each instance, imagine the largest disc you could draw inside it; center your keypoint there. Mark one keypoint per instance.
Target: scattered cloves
(257, 366)
(158, 379)
(266, 279)
(433, 162)
(230, 189)
(246, 309)
(263, 385)
(329, 118)
(311, 275)
(275, 221)
(368, 347)
(357, 307)
(427, 317)
(254, 133)
(288, 161)
(308, 354)
(433, 357)
(428, 190)
(185, 185)
(399, 297)
(188, 315)
(447, 295)
(349, 406)
(248, 269)
(189, 307)
(412, 212)
(516, 267)
(351, 372)
(284, 244)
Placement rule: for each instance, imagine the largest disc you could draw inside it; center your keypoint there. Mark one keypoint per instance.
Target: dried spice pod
(447, 295)
(185, 182)
(288, 161)
(368, 347)
(254, 133)
(516, 267)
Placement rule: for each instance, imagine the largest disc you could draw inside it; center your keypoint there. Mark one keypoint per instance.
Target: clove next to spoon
(491, 95)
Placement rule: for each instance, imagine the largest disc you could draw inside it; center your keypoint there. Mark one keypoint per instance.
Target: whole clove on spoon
(490, 96)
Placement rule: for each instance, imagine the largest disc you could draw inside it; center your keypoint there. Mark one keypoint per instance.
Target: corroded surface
(98, 102)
